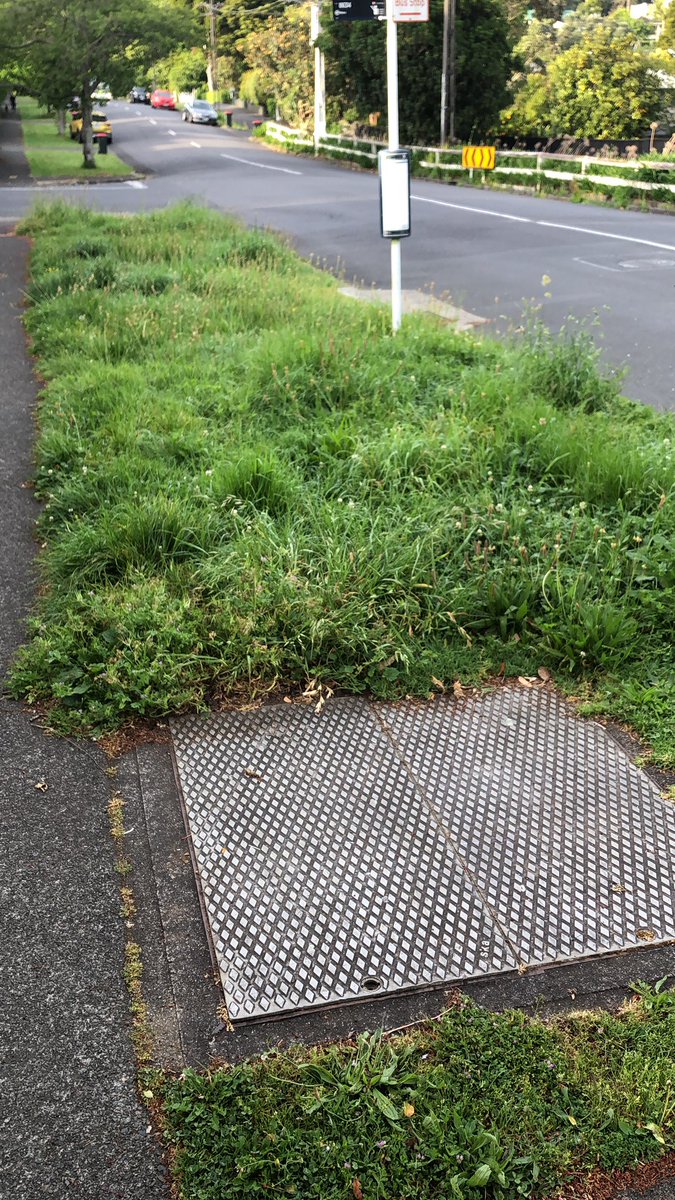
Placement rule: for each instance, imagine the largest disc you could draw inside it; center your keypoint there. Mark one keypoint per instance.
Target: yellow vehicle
(101, 126)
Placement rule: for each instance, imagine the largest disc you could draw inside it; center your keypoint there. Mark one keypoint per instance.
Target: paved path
(13, 162)
(70, 1122)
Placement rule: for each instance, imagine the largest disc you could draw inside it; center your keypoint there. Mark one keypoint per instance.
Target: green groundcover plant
(475, 1106)
(246, 480)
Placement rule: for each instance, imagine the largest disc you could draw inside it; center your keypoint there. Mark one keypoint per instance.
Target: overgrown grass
(248, 480)
(479, 1105)
(51, 155)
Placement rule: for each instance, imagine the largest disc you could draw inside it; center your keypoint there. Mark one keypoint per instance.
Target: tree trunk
(61, 121)
(88, 162)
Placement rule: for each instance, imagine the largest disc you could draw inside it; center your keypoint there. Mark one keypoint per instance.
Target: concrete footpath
(14, 168)
(70, 1123)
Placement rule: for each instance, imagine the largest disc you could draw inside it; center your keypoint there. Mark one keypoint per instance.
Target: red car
(161, 99)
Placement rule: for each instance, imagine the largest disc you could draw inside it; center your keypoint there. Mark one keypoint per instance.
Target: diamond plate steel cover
(376, 847)
(570, 844)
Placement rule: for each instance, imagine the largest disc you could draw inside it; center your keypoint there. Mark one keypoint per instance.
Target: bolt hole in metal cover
(371, 984)
(416, 844)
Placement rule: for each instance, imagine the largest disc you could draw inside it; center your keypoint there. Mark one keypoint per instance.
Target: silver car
(200, 112)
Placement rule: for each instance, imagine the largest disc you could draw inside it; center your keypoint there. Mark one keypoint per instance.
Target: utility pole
(319, 76)
(213, 10)
(448, 73)
(393, 142)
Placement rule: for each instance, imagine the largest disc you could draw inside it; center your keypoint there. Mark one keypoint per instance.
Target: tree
(68, 46)
(668, 32)
(182, 70)
(590, 75)
(280, 56)
(604, 87)
(356, 75)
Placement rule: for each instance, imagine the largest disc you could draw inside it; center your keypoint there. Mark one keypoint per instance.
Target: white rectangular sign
(411, 10)
(394, 169)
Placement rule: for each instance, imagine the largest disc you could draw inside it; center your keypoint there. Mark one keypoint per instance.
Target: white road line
(151, 120)
(263, 166)
(489, 212)
(598, 266)
(197, 145)
(619, 237)
(486, 212)
(136, 183)
(172, 132)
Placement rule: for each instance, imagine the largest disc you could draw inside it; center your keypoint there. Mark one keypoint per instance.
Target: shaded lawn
(51, 155)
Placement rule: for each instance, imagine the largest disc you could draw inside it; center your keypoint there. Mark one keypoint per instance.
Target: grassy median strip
(52, 155)
(248, 481)
(478, 1106)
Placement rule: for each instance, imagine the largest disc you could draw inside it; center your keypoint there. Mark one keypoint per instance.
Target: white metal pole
(392, 127)
(319, 76)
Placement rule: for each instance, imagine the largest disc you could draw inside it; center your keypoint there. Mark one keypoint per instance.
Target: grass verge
(51, 155)
(247, 480)
(478, 1106)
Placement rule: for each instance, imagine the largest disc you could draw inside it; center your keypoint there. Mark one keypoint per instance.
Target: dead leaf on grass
(438, 683)
(544, 673)
(357, 1189)
(458, 689)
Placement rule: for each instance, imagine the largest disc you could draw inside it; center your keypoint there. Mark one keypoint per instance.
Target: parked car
(139, 95)
(162, 99)
(102, 128)
(200, 112)
(101, 93)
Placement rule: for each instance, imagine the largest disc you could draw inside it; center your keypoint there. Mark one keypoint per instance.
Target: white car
(200, 112)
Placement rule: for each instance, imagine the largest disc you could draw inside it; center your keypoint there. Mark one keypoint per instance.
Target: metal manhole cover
(376, 847)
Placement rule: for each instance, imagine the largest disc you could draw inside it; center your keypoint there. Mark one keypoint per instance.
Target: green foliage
(476, 1106)
(356, 80)
(604, 87)
(589, 76)
(247, 480)
(668, 32)
(280, 56)
(66, 48)
(183, 70)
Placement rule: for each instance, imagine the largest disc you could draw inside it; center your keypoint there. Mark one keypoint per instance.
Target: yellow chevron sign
(481, 157)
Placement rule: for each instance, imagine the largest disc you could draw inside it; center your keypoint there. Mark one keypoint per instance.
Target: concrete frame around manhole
(417, 844)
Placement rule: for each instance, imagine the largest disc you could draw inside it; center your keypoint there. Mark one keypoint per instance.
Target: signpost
(319, 75)
(358, 10)
(393, 163)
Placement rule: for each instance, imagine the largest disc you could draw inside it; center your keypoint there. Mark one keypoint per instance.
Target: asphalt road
(489, 252)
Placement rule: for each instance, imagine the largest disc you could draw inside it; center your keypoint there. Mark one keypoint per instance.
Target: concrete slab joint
(378, 848)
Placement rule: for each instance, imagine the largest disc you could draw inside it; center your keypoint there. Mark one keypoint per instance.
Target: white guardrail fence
(526, 167)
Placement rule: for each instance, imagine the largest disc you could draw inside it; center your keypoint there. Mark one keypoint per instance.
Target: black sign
(358, 10)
